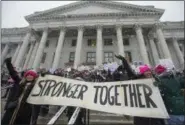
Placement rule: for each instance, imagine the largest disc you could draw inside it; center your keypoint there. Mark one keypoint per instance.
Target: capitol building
(91, 33)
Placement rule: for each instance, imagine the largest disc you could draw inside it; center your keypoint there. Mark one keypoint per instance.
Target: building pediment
(90, 8)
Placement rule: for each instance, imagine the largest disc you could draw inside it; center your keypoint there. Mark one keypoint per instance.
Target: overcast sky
(13, 12)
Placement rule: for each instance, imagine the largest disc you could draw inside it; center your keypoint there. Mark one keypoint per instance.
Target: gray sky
(13, 12)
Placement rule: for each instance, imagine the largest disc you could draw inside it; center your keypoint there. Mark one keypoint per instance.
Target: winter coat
(171, 91)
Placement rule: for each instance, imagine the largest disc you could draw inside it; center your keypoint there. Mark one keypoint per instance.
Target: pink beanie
(160, 69)
(144, 68)
(32, 73)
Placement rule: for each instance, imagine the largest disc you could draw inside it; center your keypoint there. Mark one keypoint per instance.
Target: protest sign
(134, 98)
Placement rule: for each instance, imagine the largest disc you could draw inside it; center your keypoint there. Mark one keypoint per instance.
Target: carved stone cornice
(77, 16)
(13, 31)
(107, 4)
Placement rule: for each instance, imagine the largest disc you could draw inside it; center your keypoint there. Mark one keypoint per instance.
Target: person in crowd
(172, 90)
(9, 82)
(4, 78)
(145, 72)
(18, 111)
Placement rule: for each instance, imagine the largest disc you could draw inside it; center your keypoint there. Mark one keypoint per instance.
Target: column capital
(99, 26)
(81, 27)
(29, 30)
(118, 26)
(32, 42)
(62, 28)
(150, 36)
(8, 43)
(45, 29)
(137, 26)
(174, 38)
(158, 25)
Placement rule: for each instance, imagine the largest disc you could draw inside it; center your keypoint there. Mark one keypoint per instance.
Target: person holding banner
(18, 111)
(172, 90)
(145, 72)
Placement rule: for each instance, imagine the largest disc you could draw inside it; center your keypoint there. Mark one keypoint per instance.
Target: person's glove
(119, 57)
(43, 73)
(8, 59)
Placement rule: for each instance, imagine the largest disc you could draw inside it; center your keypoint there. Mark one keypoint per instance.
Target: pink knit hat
(144, 68)
(32, 73)
(160, 69)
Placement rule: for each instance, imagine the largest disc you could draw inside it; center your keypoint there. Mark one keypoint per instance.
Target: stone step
(109, 116)
(45, 120)
(94, 111)
(64, 121)
(109, 122)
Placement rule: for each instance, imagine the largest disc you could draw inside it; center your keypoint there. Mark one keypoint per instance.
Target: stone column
(99, 46)
(59, 48)
(28, 57)
(182, 48)
(160, 52)
(141, 42)
(120, 40)
(22, 50)
(154, 49)
(178, 52)
(162, 41)
(34, 52)
(16, 53)
(78, 47)
(40, 50)
(4, 53)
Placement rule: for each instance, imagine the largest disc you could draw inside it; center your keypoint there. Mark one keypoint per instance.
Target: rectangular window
(108, 42)
(47, 43)
(126, 41)
(108, 57)
(43, 58)
(71, 56)
(128, 56)
(91, 56)
(73, 43)
(91, 42)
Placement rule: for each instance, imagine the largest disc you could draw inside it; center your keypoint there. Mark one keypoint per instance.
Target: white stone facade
(50, 33)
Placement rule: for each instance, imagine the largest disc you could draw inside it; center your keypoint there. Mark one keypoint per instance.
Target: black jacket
(15, 90)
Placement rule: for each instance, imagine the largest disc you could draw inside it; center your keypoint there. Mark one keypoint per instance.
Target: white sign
(111, 66)
(134, 98)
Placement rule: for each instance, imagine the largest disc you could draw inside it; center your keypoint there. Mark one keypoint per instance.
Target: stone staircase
(96, 118)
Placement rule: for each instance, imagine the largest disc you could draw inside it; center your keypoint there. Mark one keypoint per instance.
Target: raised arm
(13, 73)
(127, 67)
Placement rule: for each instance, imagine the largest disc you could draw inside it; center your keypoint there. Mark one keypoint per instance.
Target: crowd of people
(18, 111)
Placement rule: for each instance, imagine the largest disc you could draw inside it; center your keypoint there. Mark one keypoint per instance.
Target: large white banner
(134, 97)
